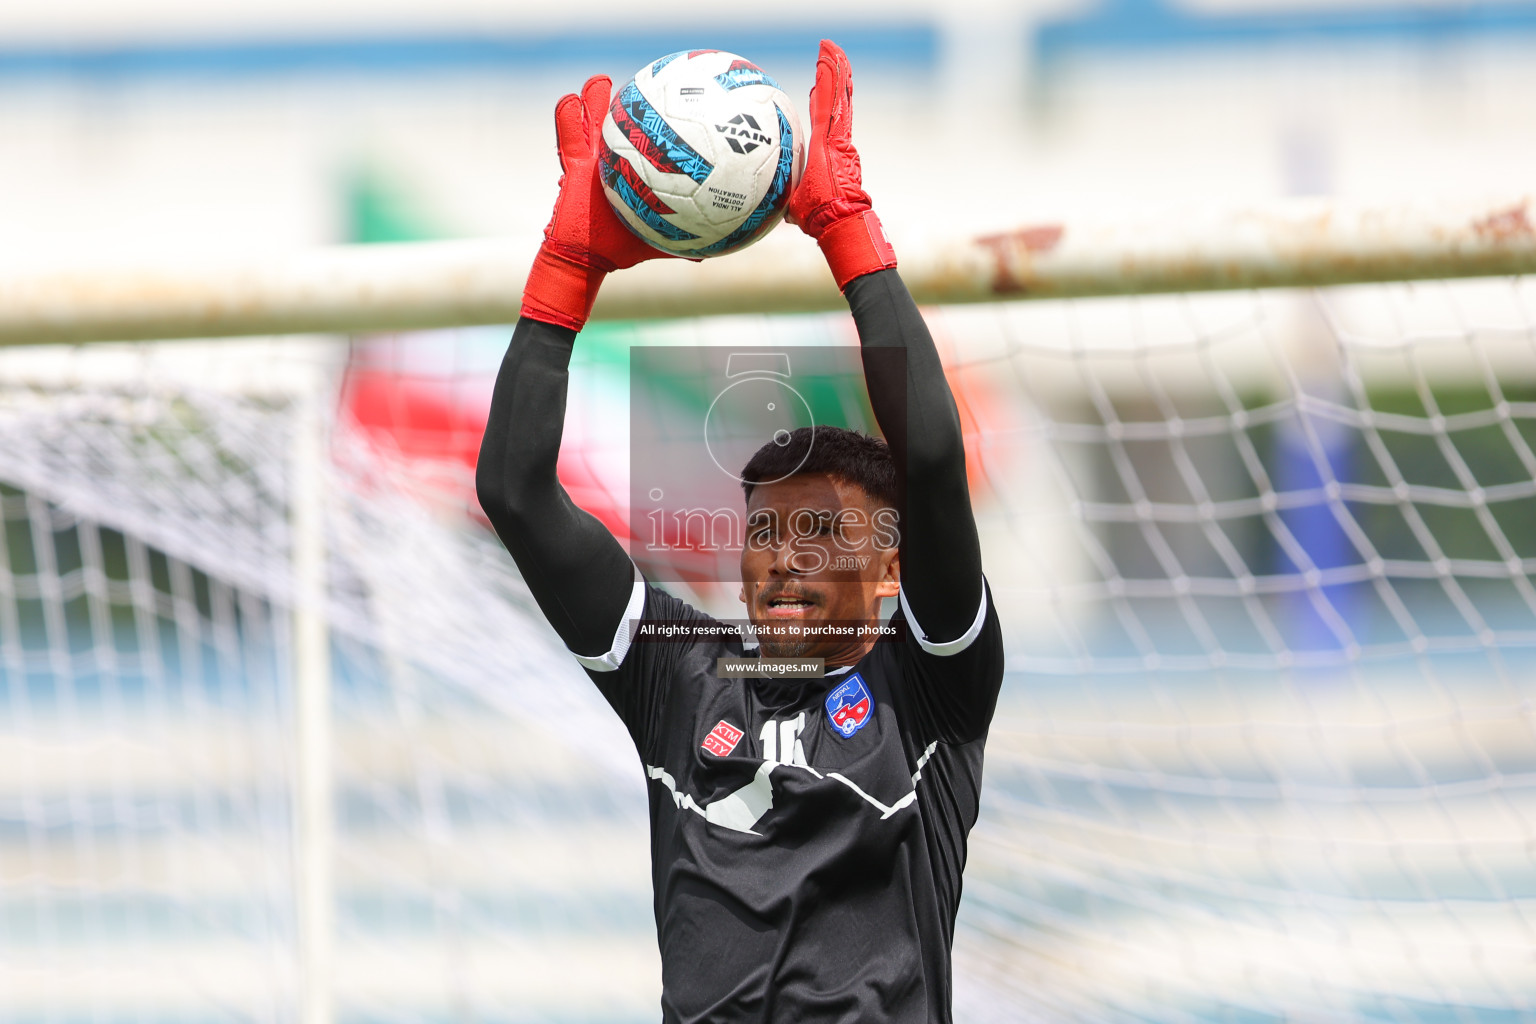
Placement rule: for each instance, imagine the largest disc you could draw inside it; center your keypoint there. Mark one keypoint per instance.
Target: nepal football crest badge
(849, 706)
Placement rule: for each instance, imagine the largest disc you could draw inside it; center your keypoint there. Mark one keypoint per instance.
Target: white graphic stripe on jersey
(738, 811)
(948, 647)
(885, 812)
(611, 661)
(922, 761)
(906, 801)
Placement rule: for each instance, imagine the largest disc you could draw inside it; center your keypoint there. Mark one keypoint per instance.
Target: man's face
(819, 550)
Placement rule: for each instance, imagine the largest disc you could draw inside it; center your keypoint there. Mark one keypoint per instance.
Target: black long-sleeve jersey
(807, 836)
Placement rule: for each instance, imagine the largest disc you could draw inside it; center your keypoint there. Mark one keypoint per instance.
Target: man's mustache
(774, 591)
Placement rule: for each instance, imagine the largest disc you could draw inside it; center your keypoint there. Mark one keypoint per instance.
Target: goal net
(1266, 749)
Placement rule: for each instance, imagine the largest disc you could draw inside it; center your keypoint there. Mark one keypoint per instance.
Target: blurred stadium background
(1266, 750)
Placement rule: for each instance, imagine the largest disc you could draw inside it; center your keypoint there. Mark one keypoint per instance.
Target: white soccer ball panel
(792, 117)
(745, 150)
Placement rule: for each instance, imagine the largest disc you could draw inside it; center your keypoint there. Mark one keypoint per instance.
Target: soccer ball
(700, 151)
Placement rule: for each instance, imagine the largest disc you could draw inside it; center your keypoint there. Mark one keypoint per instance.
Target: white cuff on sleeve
(954, 646)
(611, 661)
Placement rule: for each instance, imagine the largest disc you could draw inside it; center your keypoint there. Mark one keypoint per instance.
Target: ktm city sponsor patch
(722, 739)
(849, 706)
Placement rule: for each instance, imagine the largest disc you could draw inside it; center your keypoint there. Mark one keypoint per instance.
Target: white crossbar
(459, 283)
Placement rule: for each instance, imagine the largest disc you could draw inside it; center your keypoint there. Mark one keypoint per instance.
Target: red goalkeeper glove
(830, 203)
(585, 239)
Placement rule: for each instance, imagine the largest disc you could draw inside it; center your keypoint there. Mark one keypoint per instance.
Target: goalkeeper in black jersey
(807, 835)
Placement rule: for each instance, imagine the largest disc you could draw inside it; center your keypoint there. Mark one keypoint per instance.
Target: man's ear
(890, 579)
(741, 595)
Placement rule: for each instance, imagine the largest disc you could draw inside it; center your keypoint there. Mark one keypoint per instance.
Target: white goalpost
(282, 736)
(1296, 243)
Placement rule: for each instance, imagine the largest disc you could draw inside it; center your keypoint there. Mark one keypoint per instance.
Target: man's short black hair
(846, 454)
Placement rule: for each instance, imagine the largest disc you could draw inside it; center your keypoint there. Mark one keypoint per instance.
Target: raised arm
(940, 554)
(579, 575)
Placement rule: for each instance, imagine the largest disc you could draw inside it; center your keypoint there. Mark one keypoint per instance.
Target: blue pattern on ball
(663, 62)
(653, 220)
(735, 78)
(682, 156)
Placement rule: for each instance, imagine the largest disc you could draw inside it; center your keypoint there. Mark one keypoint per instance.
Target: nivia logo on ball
(771, 201)
(744, 133)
